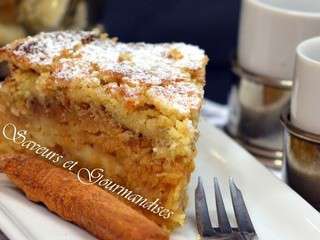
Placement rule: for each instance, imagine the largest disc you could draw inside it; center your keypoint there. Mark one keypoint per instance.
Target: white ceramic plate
(277, 212)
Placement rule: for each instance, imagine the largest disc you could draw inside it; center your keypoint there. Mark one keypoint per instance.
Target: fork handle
(3, 236)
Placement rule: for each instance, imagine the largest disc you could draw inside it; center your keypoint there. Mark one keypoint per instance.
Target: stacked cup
(302, 124)
(270, 31)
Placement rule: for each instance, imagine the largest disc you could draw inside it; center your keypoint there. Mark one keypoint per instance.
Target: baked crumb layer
(126, 157)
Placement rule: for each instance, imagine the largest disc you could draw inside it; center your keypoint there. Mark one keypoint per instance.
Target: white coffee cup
(305, 102)
(270, 31)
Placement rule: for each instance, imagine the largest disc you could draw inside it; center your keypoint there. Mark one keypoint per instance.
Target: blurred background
(211, 24)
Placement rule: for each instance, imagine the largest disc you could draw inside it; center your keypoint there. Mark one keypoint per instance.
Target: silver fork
(245, 230)
(3, 236)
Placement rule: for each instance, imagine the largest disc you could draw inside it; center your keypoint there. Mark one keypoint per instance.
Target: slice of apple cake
(129, 108)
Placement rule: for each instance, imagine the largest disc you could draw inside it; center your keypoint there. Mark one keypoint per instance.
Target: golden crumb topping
(182, 96)
(162, 75)
(44, 47)
(144, 63)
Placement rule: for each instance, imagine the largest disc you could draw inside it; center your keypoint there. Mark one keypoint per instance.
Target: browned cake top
(40, 50)
(145, 63)
(170, 76)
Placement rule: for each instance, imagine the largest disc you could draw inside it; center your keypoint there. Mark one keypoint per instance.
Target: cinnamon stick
(88, 206)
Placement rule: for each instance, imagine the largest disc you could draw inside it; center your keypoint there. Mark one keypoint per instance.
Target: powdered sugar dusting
(182, 97)
(44, 47)
(71, 69)
(138, 73)
(147, 64)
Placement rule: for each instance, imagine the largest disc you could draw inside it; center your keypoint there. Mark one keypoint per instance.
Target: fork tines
(223, 220)
(240, 209)
(202, 214)
(204, 225)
